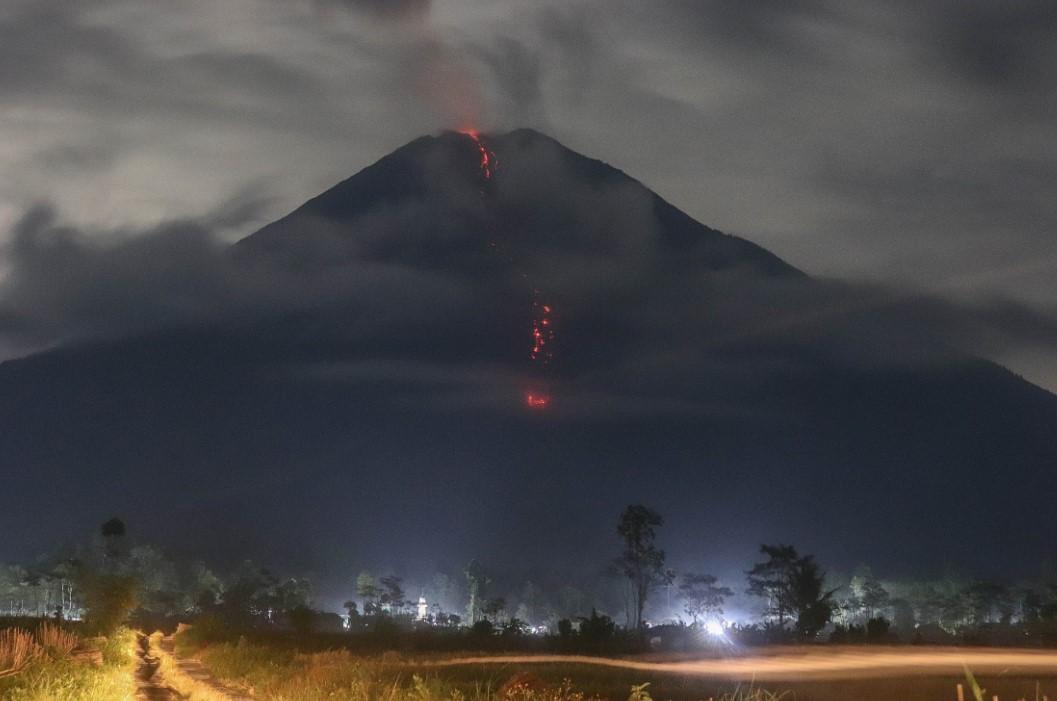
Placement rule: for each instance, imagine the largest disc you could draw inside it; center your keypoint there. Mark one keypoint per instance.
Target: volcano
(452, 362)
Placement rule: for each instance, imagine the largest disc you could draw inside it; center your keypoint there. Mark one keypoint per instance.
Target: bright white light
(714, 628)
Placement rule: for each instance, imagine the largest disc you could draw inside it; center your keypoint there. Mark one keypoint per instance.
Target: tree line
(789, 594)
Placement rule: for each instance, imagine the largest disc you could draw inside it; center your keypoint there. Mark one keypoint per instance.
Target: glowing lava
(542, 327)
(488, 159)
(537, 401)
(542, 332)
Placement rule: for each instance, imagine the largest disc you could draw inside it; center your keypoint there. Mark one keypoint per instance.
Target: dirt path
(149, 684)
(200, 674)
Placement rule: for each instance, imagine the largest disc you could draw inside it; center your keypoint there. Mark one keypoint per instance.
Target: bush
(109, 599)
(17, 649)
(598, 628)
(877, 629)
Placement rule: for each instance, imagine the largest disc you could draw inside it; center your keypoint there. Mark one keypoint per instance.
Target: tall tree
(641, 561)
(392, 598)
(493, 609)
(476, 587)
(367, 589)
(701, 597)
(793, 587)
(812, 603)
(770, 580)
(874, 598)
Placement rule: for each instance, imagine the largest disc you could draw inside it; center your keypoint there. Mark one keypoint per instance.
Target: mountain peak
(439, 196)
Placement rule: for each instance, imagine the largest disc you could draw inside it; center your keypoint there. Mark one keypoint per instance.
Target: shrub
(17, 649)
(877, 629)
(57, 641)
(109, 600)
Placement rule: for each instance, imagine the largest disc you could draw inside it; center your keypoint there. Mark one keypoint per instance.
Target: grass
(53, 673)
(276, 671)
(281, 673)
(188, 687)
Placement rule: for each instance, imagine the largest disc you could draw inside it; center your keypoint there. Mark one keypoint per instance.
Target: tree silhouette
(367, 589)
(392, 596)
(792, 585)
(771, 580)
(476, 585)
(641, 561)
(701, 597)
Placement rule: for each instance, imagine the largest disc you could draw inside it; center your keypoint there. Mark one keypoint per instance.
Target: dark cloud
(1009, 46)
(65, 284)
(906, 144)
(386, 9)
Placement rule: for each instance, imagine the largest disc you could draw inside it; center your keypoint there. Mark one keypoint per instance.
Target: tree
(1030, 607)
(701, 597)
(368, 590)
(354, 615)
(813, 605)
(205, 587)
(159, 584)
(597, 628)
(476, 585)
(494, 608)
(793, 587)
(771, 580)
(109, 600)
(874, 597)
(641, 562)
(392, 596)
(986, 599)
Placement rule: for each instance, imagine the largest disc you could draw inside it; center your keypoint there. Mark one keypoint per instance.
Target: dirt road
(149, 684)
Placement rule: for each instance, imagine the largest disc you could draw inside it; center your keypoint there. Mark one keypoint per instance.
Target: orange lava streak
(537, 401)
(488, 159)
(542, 332)
(542, 326)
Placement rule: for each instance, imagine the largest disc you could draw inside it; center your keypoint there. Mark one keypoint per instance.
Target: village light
(715, 629)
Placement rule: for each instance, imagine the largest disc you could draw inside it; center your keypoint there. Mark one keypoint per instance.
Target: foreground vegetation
(286, 668)
(273, 672)
(52, 663)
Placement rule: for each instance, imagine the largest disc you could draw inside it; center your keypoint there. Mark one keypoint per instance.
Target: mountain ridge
(371, 380)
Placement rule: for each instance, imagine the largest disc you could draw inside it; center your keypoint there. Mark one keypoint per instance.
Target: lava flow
(537, 401)
(542, 331)
(488, 159)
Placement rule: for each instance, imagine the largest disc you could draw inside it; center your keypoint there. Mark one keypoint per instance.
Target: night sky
(353, 390)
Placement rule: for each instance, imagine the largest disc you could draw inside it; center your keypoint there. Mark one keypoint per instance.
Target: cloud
(908, 144)
(398, 10)
(69, 285)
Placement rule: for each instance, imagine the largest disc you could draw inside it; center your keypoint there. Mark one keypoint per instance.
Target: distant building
(423, 608)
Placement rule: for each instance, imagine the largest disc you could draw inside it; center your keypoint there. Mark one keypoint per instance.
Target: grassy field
(274, 673)
(48, 664)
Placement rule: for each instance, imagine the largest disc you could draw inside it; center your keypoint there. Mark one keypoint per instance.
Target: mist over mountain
(347, 386)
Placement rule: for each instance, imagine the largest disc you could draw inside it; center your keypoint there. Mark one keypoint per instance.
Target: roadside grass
(272, 673)
(55, 673)
(275, 672)
(188, 687)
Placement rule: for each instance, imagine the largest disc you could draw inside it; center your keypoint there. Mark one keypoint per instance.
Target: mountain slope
(376, 415)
